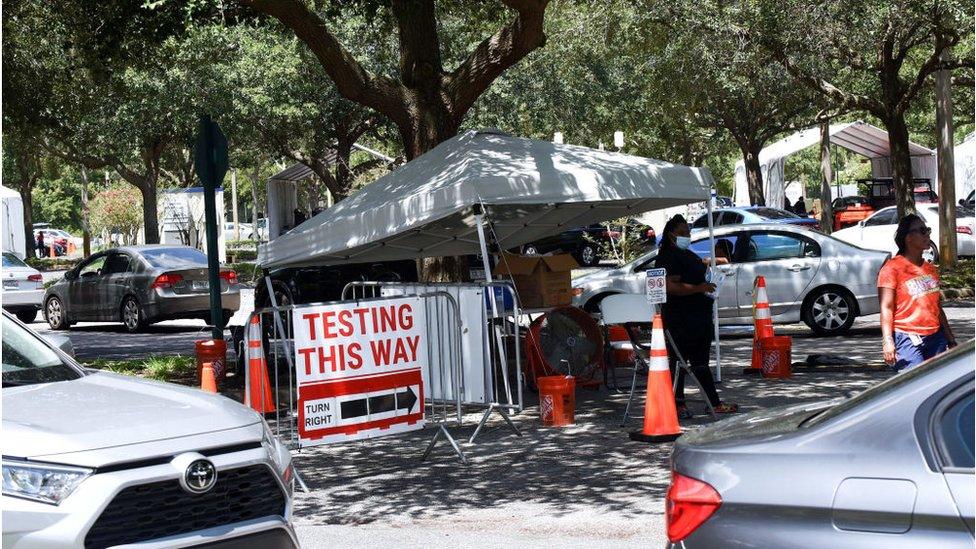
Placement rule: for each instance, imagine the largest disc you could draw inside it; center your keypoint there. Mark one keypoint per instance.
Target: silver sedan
(891, 467)
(809, 276)
(138, 285)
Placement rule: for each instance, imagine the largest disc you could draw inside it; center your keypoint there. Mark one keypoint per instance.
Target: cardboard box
(541, 281)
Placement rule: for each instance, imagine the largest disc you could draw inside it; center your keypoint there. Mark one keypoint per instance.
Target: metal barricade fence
(276, 339)
(486, 380)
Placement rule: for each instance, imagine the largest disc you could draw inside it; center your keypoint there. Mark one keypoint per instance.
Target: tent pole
(711, 244)
(479, 216)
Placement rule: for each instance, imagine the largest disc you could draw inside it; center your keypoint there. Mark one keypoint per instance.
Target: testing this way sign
(359, 369)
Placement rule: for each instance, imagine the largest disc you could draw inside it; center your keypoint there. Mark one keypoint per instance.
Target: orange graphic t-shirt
(916, 295)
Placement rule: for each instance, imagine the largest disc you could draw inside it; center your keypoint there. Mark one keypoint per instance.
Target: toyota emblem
(200, 477)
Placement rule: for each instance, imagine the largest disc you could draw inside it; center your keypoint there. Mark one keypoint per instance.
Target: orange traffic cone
(763, 323)
(50, 251)
(208, 379)
(660, 415)
(258, 392)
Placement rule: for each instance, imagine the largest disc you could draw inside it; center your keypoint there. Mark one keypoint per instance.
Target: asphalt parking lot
(582, 486)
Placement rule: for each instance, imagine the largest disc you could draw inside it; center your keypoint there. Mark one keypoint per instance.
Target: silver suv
(94, 459)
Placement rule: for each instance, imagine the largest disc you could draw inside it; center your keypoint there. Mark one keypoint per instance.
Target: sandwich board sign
(358, 369)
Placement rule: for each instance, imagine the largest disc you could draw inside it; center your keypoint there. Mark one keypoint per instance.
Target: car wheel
(132, 316)
(829, 311)
(932, 254)
(530, 250)
(27, 316)
(588, 256)
(55, 314)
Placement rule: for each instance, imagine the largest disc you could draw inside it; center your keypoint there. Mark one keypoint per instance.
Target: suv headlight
(41, 482)
(270, 444)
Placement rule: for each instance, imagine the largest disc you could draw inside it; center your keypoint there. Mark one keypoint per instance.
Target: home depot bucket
(213, 351)
(557, 400)
(774, 353)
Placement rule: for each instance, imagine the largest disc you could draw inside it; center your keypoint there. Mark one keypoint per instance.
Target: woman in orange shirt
(914, 327)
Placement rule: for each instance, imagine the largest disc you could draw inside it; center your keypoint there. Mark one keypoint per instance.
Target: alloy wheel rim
(588, 255)
(830, 311)
(54, 312)
(131, 314)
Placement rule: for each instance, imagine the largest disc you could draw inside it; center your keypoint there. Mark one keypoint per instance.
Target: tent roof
(7, 192)
(529, 189)
(859, 137)
(299, 171)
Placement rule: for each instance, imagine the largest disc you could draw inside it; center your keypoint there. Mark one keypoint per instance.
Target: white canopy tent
(859, 137)
(964, 157)
(529, 189)
(14, 239)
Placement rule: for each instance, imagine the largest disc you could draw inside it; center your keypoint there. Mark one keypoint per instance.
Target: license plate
(10, 284)
(201, 285)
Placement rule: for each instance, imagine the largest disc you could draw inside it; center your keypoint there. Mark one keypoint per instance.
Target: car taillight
(229, 276)
(166, 280)
(688, 505)
(650, 233)
(964, 230)
(35, 278)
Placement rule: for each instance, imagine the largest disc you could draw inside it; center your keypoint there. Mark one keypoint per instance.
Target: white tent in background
(529, 189)
(859, 137)
(12, 220)
(964, 156)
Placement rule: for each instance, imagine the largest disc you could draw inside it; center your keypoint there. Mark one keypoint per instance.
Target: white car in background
(23, 288)
(97, 459)
(246, 231)
(878, 231)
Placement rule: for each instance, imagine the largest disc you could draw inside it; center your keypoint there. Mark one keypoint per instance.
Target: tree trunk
(826, 176)
(947, 176)
(85, 223)
(255, 175)
(149, 214)
(750, 156)
(901, 164)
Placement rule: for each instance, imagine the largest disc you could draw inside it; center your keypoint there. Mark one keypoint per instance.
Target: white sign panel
(358, 367)
(656, 288)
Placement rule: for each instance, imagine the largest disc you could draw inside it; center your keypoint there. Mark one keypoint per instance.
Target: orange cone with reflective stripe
(208, 379)
(660, 414)
(258, 393)
(763, 323)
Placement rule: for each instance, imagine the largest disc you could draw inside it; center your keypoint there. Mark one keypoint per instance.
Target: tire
(27, 317)
(588, 255)
(934, 250)
(132, 316)
(829, 311)
(55, 313)
(530, 250)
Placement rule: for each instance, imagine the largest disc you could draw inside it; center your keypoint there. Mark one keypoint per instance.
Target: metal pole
(233, 194)
(479, 216)
(711, 245)
(207, 129)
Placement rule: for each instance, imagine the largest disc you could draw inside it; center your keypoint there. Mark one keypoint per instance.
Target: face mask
(682, 242)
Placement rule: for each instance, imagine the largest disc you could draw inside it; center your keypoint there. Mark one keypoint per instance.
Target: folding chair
(633, 312)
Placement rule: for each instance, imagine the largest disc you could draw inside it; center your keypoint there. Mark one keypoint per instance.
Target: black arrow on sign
(378, 404)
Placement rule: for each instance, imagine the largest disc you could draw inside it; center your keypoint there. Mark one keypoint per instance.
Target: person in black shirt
(687, 314)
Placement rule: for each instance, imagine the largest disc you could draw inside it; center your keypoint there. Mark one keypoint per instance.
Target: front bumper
(23, 299)
(29, 524)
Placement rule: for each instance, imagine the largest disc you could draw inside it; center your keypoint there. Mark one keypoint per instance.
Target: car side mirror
(962, 201)
(88, 274)
(860, 223)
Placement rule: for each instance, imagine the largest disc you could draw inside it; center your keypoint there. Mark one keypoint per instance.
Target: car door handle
(797, 268)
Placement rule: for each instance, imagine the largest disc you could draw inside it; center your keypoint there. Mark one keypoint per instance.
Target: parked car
(753, 214)
(969, 201)
(96, 459)
(137, 286)
(891, 467)
(878, 231)
(53, 238)
(849, 210)
(585, 244)
(724, 202)
(23, 288)
(318, 284)
(809, 276)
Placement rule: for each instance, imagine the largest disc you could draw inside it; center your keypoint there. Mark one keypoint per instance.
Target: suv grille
(161, 509)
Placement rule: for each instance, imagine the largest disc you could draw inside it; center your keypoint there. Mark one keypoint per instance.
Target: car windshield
(174, 258)
(27, 360)
(773, 213)
(887, 387)
(10, 260)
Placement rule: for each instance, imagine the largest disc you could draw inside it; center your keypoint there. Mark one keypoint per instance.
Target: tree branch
(496, 53)
(352, 80)
(932, 64)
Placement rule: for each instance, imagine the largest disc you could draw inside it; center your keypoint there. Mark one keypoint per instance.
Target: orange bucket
(557, 400)
(213, 351)
(775, 356)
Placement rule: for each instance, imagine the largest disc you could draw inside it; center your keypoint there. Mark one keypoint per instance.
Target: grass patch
(174, 369)
(958, 277)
